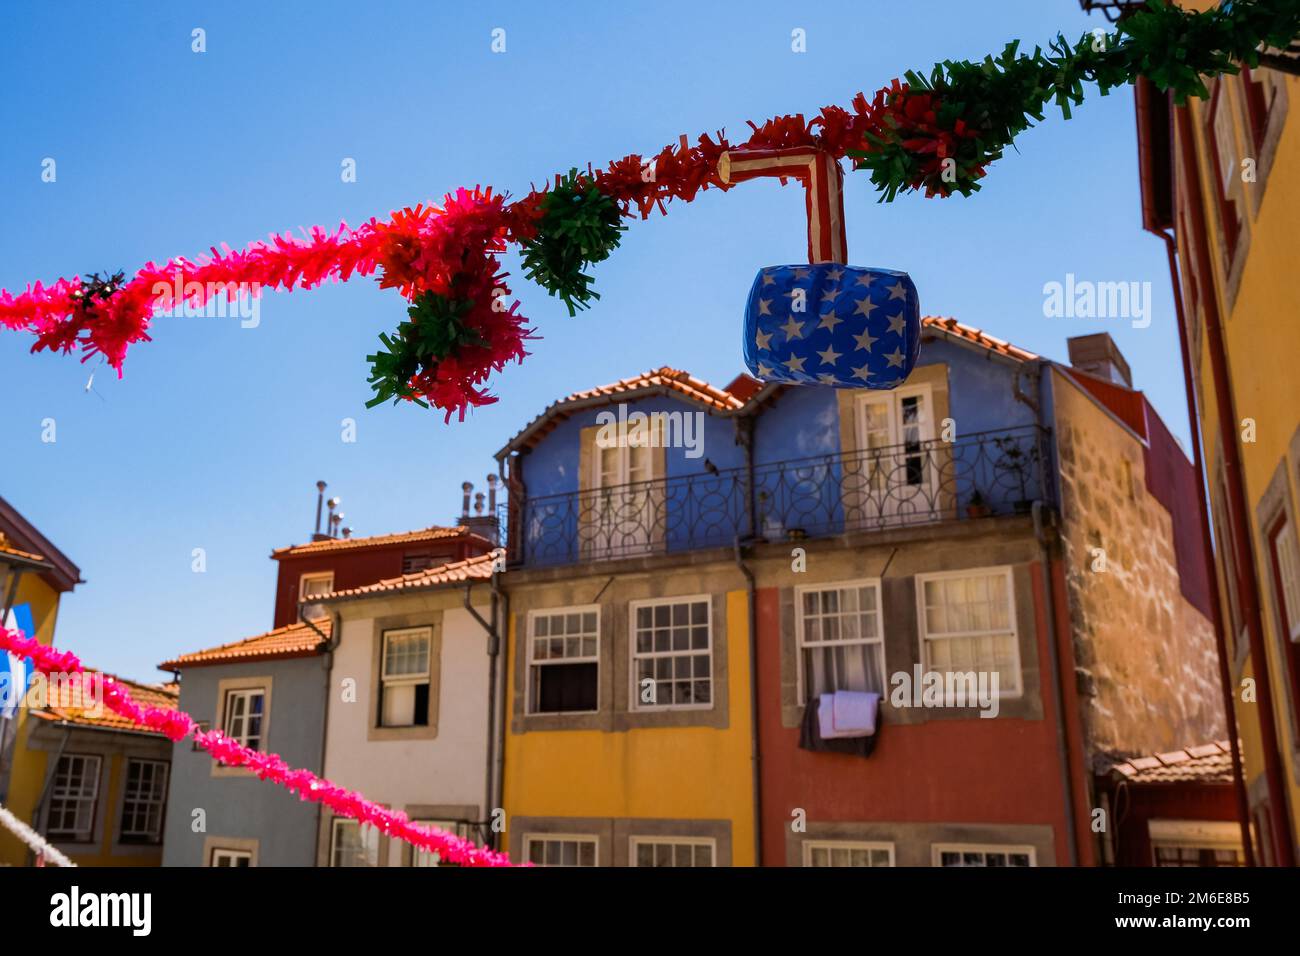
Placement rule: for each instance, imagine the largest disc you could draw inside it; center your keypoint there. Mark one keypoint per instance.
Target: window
(1286, 573)
(351, 844)
(847, 853)
(554, 850)
(1182, 855)
(424, 857)
(143, 802)
(72, 798)
(314, 585)
(963, 854)
(222, 857)
(672, 664)
(626, 507)
(895, 435)
(1261, 93)
(245, 716)
(1223, 152)
(841, 644)
(404, 679)
(968, 623)
(672, 851)
(564, 661)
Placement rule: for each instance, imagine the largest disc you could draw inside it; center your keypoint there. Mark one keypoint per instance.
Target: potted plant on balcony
(1021, 465)
(977, 506)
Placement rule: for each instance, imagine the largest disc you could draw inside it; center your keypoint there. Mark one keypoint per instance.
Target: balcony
(979, 476)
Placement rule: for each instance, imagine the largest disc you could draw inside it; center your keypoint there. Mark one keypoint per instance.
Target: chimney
(1099, 355)
(320, 501)
(483, 525)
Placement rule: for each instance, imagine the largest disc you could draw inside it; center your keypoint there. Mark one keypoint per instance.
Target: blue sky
(217, 434)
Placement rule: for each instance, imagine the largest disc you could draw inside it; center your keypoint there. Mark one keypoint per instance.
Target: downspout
(494, 653)
(327, 667)
(1207, 556)
(754, 749)
(1247, 576)
(1040, 532)
(745, 437)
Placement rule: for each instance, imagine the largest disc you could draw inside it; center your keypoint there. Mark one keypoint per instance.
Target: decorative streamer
(935, 133)
(35, 842)
(176, 725)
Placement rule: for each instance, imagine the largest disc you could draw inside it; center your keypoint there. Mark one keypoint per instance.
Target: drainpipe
(327, 667)
(490, 790)
(754, 751)
(1247, 582)
(1207, 556)
(1040, 508)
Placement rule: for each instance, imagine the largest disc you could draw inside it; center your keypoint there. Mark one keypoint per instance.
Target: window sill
(414, 732)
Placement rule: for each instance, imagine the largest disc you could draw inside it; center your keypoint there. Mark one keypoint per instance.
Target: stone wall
(1146, 660)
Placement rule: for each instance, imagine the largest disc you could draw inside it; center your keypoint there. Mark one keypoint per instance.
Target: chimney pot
(1099, 355)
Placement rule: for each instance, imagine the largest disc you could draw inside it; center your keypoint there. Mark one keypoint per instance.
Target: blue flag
(15, 672)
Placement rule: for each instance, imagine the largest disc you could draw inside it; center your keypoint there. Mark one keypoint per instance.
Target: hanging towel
(810, 737)
(853, 713)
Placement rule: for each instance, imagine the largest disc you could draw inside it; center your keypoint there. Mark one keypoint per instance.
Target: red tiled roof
(663, 379)
(7, 550)
(292, 640)
(1208, 763)
(148, 695)
(432, 533)
(975, 336)
(478, 568)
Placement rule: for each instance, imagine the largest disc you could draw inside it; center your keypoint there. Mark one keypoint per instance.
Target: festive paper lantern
(830, 324)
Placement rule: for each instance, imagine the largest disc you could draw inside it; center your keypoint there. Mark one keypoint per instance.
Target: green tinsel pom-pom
(436, 329)
(578, 226)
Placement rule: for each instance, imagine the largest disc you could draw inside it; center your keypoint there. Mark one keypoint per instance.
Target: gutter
(1247, 583)
(755, 752)
(496, 697)
(327, 668)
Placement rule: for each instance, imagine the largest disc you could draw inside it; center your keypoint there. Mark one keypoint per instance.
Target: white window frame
(579, 838)
(1006, 849)
(1288, 570)
(633, 655)
(634, 842)
(809, 846)
(244, 737)
(365, 832)
(220, 851)
(303, 595)
(161, 769)
(533, 662)
(800, 644)
(404, 680)
(1012, 621)
(429, 858)
(87, 792)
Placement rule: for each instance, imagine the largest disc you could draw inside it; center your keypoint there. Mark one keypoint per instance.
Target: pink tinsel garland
(176, 725)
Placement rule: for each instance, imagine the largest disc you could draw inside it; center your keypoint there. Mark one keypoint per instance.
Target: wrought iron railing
(981, 475)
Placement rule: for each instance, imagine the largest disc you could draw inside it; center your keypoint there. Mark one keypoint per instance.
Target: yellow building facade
(1231, 206)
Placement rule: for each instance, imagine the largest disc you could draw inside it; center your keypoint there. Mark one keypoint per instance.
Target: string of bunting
(934, 133)
(176, 725)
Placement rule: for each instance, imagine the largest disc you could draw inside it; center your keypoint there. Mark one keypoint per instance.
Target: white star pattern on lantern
(829, 356)
(865, 280)
(895, 358)
(865, 340)
(863, 372)
(897, 324)
(763, 338)
(829, 321)
(793, 329)
(764, 306)
(865, 307)
(796, 362)
(896, 291)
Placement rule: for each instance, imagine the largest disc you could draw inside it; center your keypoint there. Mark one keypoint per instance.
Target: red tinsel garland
(445, 249)
(176, 725)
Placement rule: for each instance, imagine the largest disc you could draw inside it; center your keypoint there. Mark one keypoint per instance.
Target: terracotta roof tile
(991, 342)
(478, 568)
(663, 378)
(149, 695)
(1207, 763)
(5, 549)
(432, 533)
(292, 640)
